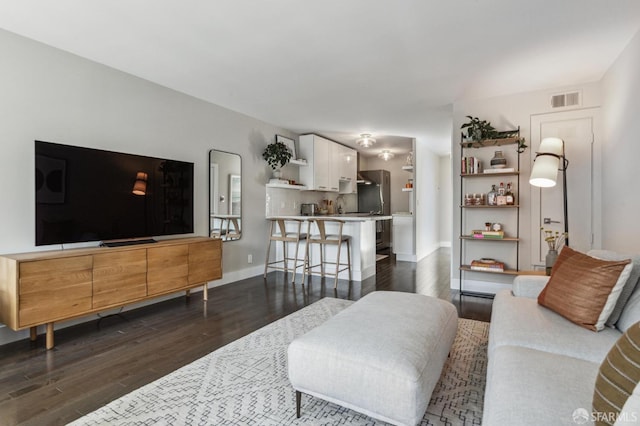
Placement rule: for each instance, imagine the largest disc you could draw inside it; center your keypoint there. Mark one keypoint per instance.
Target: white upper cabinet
(320, 175)
(332, 167)
(347, 159)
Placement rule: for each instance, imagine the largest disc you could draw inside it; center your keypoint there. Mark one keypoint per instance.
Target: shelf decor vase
(498, 161)
(550, 260)
(277, 173)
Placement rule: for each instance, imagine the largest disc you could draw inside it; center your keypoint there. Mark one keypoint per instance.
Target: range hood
(362, 181)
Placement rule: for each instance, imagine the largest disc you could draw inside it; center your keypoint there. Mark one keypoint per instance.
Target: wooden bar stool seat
(324, 239)
(278, 232)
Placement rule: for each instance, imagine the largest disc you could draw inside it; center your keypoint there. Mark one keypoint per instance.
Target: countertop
(347, 217)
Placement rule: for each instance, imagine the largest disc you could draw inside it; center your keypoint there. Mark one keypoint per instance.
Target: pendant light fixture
(365, 141)
(386, 155)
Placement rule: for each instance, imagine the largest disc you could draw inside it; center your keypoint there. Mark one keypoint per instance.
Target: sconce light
(386, 155)
(365, 141)
(544, 173)
(140, 186)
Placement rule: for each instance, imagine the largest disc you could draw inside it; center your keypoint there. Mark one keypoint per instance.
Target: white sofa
(542, 368)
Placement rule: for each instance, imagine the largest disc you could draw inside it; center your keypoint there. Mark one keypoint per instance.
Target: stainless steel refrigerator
(374, 197)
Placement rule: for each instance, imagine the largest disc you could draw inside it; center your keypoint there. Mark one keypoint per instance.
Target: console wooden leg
(205, 291)
(33, 331)
(187, 293)
(50, 335)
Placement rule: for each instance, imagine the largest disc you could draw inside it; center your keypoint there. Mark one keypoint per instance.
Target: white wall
(445, 200)
(504, 113)
(621, 151)
(51, 95)
(426, 171)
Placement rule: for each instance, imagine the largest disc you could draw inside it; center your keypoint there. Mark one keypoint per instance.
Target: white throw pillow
(629, 286)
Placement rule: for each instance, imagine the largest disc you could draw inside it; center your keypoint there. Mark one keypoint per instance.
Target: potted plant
(277, 154)
(478, 130)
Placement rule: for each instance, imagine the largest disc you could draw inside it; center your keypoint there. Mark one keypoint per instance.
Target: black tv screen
(85, 194)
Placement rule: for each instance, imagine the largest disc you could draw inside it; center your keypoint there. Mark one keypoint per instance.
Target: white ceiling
(341, 67)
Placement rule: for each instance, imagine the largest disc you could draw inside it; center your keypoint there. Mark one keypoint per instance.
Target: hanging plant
(277, 155)
(522, 146)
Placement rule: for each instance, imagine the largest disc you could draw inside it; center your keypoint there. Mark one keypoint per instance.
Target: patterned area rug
(245, 383)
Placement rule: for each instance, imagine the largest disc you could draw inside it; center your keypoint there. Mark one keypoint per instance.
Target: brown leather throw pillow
(584, 289)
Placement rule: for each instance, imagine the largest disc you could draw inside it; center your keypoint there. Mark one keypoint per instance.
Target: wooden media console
(50, 286)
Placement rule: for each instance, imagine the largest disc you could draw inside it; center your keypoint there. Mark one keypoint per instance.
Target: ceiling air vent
(565, 100)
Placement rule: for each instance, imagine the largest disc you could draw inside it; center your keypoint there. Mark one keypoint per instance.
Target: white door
(577, 129)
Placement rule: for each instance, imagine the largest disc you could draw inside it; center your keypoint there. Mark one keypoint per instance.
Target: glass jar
(491, 196)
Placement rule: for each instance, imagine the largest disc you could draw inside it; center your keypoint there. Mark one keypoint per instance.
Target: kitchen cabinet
(322, 174)
(403, 237)
(347, 159)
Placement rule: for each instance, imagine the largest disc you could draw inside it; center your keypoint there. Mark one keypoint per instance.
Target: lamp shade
(547, 163)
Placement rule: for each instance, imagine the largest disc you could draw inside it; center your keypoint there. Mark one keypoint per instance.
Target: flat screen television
(85, 194)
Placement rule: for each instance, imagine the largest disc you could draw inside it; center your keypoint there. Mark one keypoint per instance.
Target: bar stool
(233, 231)
(281, 234)
(324, 239)
(218, 229)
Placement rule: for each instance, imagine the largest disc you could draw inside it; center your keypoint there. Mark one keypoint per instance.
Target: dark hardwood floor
(98, 361)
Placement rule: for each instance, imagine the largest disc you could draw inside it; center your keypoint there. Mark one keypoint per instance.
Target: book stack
(471, 166)
(485, 264)
(496, 235)
(503, 170)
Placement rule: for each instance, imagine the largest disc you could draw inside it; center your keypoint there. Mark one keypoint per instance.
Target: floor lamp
(545, 171)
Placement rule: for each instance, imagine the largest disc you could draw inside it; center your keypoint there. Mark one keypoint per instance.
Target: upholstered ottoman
(382, 356)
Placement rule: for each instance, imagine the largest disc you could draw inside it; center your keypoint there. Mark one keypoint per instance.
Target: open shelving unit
(465, 238)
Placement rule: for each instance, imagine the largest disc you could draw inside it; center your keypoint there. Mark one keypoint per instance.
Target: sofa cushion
(520, 321)
(631, 312)
(584, 289)
(629, 286)
(531, 387)
(618, 375)
(529, 285)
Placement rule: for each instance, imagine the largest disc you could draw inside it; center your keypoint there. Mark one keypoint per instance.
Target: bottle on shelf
(501, 199)
(491, 196)
(511, 198)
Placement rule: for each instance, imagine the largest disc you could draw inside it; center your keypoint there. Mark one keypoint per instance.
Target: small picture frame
(290, 143)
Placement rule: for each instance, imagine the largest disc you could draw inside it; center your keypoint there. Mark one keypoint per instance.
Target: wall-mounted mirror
(225, 195)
